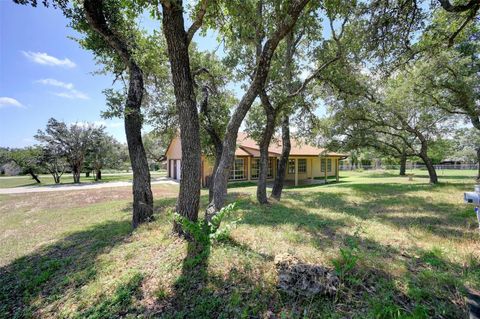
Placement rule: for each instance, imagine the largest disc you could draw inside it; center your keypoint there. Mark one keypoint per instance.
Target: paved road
(59, 188)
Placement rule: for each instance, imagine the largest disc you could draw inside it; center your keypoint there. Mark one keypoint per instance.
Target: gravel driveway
(60, 188)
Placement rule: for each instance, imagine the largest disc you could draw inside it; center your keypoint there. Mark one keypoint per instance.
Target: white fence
(410, 166)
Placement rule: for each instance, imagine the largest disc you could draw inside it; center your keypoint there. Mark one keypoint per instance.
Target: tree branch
(470, 17)
(198, 21)
(447, 6)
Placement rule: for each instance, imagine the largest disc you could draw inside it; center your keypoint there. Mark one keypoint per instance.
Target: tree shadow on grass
(279, 214)
(389, 204)
(119, 304)
(332, 182)
(200, 293)
(191, 285)
(433, 286)
(31, 282)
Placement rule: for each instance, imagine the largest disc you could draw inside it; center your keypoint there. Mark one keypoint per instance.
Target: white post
(311, 168)
(296, 172)
(326, 171)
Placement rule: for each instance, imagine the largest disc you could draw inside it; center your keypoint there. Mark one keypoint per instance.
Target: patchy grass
(26, 180)
(403, 249)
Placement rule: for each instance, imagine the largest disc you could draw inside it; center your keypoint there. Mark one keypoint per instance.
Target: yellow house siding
(207, 169)
(313, 165)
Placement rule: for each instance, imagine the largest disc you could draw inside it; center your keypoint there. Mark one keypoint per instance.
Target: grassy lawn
(25, 180)
(403, 249)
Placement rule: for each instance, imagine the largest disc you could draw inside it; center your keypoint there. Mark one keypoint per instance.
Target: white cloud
(45, 59)
(70, 93)
(54, 82)
(8, 101)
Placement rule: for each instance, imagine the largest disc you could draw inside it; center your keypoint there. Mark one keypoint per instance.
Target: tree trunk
(264, 144)
(403, 164)
(286, 145)
(34, 176)
(261, 73)
(87, 174)
(142, 193)
(212, 131)
(282, 164)
(98, 175)
(55, 175)
(218, 155)
(177, 43)
(432, 173)
(76, 174)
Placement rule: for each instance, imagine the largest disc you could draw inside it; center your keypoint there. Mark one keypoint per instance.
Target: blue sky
(45, 74)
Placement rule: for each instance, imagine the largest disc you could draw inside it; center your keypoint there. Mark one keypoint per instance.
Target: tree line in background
(74, 148)
(394, 76)
(459, 149)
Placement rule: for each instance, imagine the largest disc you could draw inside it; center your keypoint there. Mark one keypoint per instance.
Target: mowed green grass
(403, 249)
(26, 180)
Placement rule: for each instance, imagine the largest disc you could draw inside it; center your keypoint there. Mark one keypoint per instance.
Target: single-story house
(305, 161)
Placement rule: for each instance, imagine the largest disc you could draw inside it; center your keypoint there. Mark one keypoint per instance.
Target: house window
(270, 168)
(302, 165)
(291, 166)
(322, 164)
(238, 170)
(329, 164)
(256, 168)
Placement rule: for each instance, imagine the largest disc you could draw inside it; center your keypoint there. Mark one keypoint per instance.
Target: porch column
(326, 171)
(311, 168)
(249, 168)
(296, 172)
(338, 170)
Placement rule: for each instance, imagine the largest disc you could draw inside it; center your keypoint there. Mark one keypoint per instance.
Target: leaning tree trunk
(432, 173)
(34, 176)
(183, 86)
(286, 145)
(282, 165)
(264, 144)
(403, 164)
(142, 193)
(261, 72)
(212, 131)
(218, 155)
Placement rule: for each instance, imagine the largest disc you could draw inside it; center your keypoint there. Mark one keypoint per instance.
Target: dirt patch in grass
(65, 199)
